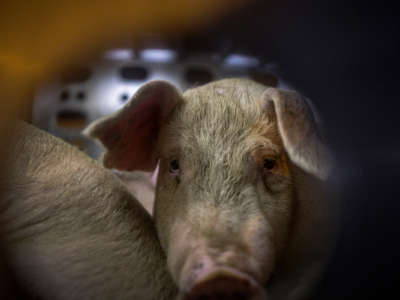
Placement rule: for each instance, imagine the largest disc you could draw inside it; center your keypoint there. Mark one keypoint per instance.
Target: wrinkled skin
(71, 230)
(239, 206)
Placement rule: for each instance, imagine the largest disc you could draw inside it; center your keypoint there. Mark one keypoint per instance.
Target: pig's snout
(215, 265)
(223, 284)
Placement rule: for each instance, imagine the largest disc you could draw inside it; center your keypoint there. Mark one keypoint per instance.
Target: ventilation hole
(73, 75)
(198, 75)
(124, 97)
(71, 120)
(133, 73)
(64, 96)
(81, 96)
(266, 79)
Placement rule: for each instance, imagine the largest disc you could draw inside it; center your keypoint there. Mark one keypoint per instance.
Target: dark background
(344, 56)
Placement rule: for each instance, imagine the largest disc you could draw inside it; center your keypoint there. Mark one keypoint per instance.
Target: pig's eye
(269, 164)
(174, 166)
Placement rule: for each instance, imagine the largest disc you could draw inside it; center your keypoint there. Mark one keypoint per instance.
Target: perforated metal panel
(69, 103)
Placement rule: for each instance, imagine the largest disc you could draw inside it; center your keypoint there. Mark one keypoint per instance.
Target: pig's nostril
(223, 287)
(224, 296)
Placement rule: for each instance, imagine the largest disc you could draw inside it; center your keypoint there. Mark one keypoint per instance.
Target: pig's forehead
(234, 89)
(225, 99)
(219, 114)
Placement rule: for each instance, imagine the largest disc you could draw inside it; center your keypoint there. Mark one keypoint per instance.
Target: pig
(69, 229)
(241, 208)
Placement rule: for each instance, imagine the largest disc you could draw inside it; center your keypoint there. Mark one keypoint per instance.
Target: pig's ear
(130, 135)
(298, 130)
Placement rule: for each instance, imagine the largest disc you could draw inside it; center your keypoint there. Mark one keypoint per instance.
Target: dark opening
(64, 96)
(266, 78)
(71, 119)
(198, 75)
(81, 96)
(124, 97)
(133, 73)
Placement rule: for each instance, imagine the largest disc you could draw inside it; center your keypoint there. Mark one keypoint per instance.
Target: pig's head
(225, 193)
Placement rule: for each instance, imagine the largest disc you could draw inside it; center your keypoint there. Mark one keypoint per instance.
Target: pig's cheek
(275, 183)
(277, 209)
(166, 207)
(176, 178)
(179, 247)
(173, 182)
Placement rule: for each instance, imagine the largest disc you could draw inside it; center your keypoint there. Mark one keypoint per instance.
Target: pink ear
(154, 176)
(298, 131)
(130, 135)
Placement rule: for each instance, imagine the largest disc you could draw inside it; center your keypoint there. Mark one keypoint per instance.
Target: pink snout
(223, 283)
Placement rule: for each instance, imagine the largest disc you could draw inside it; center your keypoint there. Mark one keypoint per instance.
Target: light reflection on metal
(238, 60)
(119, 54)
(158, 55)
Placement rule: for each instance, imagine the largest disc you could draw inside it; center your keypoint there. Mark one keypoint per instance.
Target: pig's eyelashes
(174, 167)
(269, 164)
